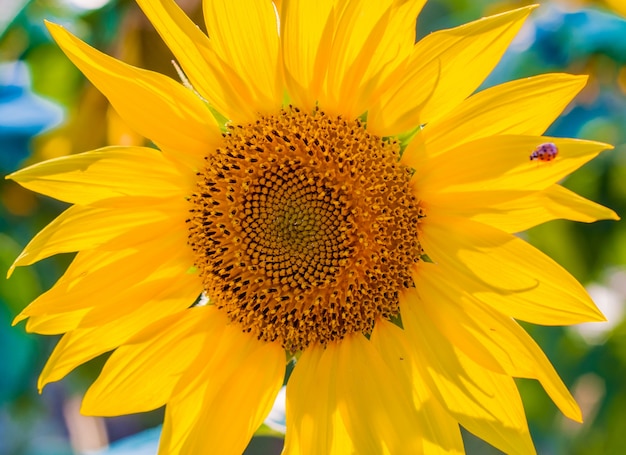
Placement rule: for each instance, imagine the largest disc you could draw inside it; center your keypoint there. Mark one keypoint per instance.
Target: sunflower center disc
(304, 228)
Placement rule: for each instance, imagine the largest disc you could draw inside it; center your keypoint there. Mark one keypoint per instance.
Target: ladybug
(545, 152)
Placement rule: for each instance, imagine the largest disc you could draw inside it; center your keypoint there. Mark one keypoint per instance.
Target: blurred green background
(47, 110)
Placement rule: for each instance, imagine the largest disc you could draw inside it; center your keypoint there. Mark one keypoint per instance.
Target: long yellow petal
(105, 173)
(85, 262)
(245, 34)
(53, 324)
(499, 163)
(371, 41)
(521, 210)
(307, 30)
(377, 411)
(528, 286)
(158, 272)
(383, 57)
(313, 418)
(167, 283)
(488, 337)
(355, 26)
(152, 104)
(441, 433)
(110, 286)
(141, 374)
(485, 403)
(444, 68)
(221, 400)
(509, 108)
(80, 345)
(83, 228)
(71, 295)
(211, 76)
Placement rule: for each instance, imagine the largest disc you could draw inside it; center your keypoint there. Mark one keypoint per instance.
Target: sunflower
(323, 191)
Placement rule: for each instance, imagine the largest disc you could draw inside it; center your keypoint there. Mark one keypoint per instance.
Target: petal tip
(583, 78)
(52, 26)
(11, 269)
(577, 416)
(578, 80)
(597, 315)
(41, 383)
(611, 215)
(530, 8)
(605, 146)
(19, 318)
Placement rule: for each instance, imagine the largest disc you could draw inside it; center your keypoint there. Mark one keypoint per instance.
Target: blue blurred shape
(22, 115)
(563, 36)
(144, 443)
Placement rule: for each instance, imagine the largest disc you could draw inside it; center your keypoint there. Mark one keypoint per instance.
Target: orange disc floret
(304, 228)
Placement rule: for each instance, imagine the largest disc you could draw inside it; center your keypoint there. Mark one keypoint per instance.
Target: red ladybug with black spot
(545, 152)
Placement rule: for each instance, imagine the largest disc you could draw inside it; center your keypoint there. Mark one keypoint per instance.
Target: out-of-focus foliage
(576, 36)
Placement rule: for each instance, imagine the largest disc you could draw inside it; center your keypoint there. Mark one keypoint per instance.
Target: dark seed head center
(304, 228)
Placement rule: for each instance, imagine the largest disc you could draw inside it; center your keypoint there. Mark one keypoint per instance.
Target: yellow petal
(245, 34)
(378, 412)
(488, 337)
(398, 41)
(518, 211)
(357, 25)
(106, 173)
(306, 35)
(86, 264)
(313, 419)
(565, 204)
(501, 163)
(444, 68)
(221, 400)
(383, 57)
(152, 104)
(485, 403)
(157, 271)
(52, 324)
(102, 278)
(83, 228)
(137, 236)
(371, 40)
(167, 283)
(141, 375)
(441, 433)
(522, 107)
(528, 285)
(83, 344)
(211, 76)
